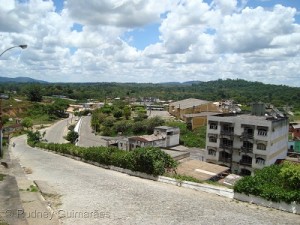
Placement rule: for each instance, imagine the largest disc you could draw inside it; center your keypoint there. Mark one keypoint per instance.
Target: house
(191, 106)
(196, 120)
(294, 129)
(163, 136)
(245, 142)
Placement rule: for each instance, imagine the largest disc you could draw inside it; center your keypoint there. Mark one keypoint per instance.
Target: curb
(220, 191)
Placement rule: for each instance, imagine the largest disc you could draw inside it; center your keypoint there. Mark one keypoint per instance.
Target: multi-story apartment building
(245, 142)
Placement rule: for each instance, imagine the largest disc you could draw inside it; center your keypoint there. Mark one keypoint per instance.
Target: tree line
(241, 91)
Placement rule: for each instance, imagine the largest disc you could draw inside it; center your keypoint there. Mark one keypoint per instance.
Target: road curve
(86, 137)
(93, 195)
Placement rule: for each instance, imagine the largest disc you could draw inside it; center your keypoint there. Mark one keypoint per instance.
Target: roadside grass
(181, 178)
(2, 177)
(31, 188)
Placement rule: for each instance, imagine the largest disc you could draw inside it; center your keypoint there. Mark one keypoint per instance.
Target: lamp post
(1, 125)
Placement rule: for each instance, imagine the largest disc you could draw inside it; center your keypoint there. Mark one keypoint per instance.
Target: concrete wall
(293, 207)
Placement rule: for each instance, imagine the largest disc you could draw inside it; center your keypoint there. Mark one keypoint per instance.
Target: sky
(151, 41)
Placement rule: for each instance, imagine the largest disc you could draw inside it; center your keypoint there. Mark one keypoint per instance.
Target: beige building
(196, 120)
(191, 106)
(247, 142)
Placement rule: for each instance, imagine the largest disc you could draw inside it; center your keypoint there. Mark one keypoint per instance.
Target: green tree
(290, 173)
(34, 137)
(118, 113)
(72, 136)
(34, 93)
(123, 126)
(154, 122)
(109, 121)
(127, 112)
(27, 122)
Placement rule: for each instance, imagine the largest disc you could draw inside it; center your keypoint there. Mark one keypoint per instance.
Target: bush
(275, 183)
(147, 160)
(72, 136)
(152, 161)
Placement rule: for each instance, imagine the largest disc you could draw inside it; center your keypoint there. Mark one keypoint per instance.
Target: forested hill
(239, 90)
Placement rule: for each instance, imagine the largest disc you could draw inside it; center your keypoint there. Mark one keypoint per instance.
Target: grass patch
(180, 177)
(2, 177)
(32, 188)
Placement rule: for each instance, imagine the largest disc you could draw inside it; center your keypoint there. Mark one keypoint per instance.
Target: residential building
(191, 106)
(295, 131)
(196, 120)
(163, 136)
(245, 142)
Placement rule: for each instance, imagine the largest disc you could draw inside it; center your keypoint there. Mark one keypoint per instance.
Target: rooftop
(188, 103)
(148, 138)
(200, 169)
(200, 114)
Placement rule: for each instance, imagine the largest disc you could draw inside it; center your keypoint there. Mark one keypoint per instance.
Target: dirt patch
(27, 170)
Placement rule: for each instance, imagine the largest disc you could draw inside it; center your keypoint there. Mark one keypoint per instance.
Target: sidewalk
(21, 202)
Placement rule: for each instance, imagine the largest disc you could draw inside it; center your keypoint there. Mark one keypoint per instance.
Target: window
(246, 160)
(247, 144)
(228, 128)
(261, 146)
(248, 131)
(262, 132)
(226, 142)
(213, 126)
(260, 161)
(212, 139)
(212, 152)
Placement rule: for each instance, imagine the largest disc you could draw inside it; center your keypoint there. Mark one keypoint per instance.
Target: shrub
(72, 136)
(147, 160)
(275, 183)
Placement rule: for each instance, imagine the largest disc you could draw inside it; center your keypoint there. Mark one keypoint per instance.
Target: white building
(163, 136)
(245, 142)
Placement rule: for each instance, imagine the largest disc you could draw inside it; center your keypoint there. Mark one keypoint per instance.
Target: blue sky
(152, 41)
(141, 37)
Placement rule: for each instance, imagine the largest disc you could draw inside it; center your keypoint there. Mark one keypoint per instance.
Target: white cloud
(198, 41)
(120, 13)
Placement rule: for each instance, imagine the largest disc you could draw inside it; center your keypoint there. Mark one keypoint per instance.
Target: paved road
(86, 137)
(92, 195)
(56, 132)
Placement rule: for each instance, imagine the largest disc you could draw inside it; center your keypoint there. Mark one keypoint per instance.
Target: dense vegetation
(241, 91)
(112, 120)
(147, 160)
(275, 183)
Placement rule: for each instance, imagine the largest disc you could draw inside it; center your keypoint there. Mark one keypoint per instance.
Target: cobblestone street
(92, 195)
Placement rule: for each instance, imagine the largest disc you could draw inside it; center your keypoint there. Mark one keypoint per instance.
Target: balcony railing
(226, 146)
(247, 149)
(246, 135)
(224, 159)
(246, 162)
(227, 132)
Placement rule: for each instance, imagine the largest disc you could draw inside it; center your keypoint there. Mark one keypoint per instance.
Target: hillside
(241, 91)
(20, 80)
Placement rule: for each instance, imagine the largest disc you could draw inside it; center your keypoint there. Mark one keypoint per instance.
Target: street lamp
(1, 125)
(17, 46)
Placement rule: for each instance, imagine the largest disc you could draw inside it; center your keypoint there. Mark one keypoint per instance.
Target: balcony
(225, 159)
(246, 135)
(227, 132)
(247, 149)
(246, 162)
(226, 146)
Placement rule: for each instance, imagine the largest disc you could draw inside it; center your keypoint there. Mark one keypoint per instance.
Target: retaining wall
(293, 207)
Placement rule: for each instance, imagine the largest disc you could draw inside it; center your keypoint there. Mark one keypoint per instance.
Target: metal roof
(188, 103)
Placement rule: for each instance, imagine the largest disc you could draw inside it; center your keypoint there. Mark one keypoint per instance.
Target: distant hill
(20, 80)
(187, 83)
